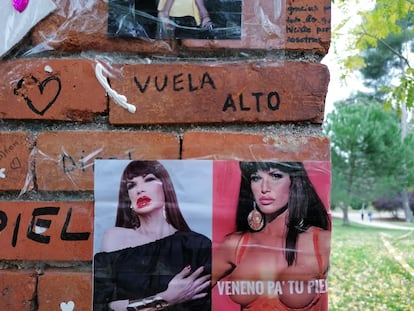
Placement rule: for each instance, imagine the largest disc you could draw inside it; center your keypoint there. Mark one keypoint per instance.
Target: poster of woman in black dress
(152, 235)
(166, 19)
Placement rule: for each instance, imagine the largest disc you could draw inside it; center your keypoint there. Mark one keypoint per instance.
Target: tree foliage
(381, 63)
(392, 203)
(368, 156)
(383, 29)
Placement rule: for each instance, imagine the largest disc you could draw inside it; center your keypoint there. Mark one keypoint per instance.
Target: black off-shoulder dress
(145, 270)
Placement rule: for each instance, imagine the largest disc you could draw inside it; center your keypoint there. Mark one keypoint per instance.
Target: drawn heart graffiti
(15, 163)
(70, 306)
(22, 88)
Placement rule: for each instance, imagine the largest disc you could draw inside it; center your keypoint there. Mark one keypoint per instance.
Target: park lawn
(404, 243)
(364, 275)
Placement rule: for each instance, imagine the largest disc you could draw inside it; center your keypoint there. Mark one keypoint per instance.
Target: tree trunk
(406, 206)
(405, 200)
(345, 219)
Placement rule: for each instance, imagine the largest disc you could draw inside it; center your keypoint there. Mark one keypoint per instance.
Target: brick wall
(261, 97)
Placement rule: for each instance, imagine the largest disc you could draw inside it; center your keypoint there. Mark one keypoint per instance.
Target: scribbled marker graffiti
(37, 223)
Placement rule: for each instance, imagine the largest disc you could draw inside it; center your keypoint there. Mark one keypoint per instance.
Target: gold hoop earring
(255, 219)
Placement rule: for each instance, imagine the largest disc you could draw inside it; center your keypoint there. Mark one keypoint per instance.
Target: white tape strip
(118, 98)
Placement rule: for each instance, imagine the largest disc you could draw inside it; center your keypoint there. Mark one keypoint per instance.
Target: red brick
(295, 25)
(85, 30)
(15, 150)
(46, 230)
(209, 93)
(50, 89)
(56, 287)
(241, 146)
(64, 160)
(17, 290)
(308, 25)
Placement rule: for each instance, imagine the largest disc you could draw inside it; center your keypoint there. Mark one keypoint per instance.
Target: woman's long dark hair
(305, 208)
(126, 217)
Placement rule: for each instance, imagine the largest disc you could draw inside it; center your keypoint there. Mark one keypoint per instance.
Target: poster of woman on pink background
(271, 235)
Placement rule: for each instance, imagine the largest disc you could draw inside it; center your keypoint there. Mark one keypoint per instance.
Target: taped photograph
(180, 19)
(152, 235)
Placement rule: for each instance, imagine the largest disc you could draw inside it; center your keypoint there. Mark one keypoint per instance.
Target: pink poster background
(226, 183)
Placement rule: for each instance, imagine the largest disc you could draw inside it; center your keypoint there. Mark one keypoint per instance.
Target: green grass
(364, 275)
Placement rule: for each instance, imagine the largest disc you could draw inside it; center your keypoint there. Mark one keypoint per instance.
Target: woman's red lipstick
(266, 200)
(143, 201)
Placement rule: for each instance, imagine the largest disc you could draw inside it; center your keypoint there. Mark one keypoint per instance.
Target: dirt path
(356, 217)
